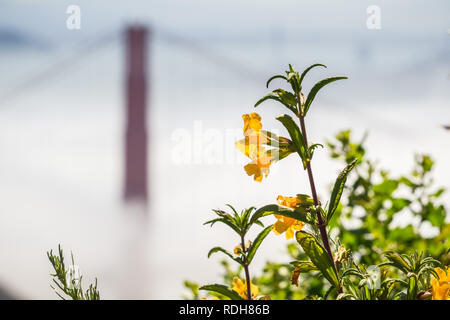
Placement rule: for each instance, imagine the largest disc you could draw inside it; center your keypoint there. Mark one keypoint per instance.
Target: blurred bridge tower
(135, 188)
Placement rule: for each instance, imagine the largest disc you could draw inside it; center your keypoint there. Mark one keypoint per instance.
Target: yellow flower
(251, 147)
(290, 202)
(286, 224)
(441, 286)
(241, 288)
(259, 166)
(238, 249)
(252, 122)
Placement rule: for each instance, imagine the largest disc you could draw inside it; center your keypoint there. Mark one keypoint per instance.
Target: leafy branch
(244, 252)
(69, 280)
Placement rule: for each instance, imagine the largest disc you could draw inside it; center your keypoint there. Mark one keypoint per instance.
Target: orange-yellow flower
(286, 224)
(241, 288)
(238, 249)
(252, 122)
(290, 202)
(259, 166)
(441, 286)
(252, 147)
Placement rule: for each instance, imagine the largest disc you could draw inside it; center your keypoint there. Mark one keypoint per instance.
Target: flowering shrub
(371, 262)
(376, 260)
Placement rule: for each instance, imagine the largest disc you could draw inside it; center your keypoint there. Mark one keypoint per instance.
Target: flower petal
(279, 227)
(289, 233)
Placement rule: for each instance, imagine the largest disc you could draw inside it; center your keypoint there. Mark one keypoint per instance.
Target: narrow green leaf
(412, 288)
(338, 188)
(318, 256)
(352, 272)
(223, 214)
(319, 85)
(428, 269)
(308, 69)
(397, 261)
(219, 288)
(225, 221)
(280, 154)
(232, 208)
(259, 223)
(255, 245)
(220, 249)
(246, 215)
(312, 148)
(274, 96)
(278, 76)
(296, 136)
(305, 200)
(286, 97)
(345, 296)
(298, 214)
(304, 266)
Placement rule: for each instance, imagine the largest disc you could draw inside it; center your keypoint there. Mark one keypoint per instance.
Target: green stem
(246, 270)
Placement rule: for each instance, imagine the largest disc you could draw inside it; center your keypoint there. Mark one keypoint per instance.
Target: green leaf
(286, 97)
(296, 136)
(345, 296)
(308, 69)
(338, 188)
(220, 249)
(225, 221)
(318, 256)
(386, 188)
(438, 193)
(279, 154)
(293, 78)
(398, 261)
(274, 96)
(312, 148)
(319, 85)
(255, 245)
(223, 214)
(428, 270)
(352, 272)
(219, 288)
(412, 288)
(298, 214)
(246, 216)
(305, 200)
(304, 266)
(278, 76)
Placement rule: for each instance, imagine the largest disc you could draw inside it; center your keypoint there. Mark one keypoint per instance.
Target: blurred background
(117, 139)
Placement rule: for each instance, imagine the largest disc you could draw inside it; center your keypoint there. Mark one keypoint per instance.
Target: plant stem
(322, 227)
(246, 270)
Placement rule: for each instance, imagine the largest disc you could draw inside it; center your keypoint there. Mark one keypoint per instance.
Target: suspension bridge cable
(239, 68)
(55, 69)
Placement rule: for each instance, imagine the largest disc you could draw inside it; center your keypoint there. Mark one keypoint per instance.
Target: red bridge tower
(136, 112)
